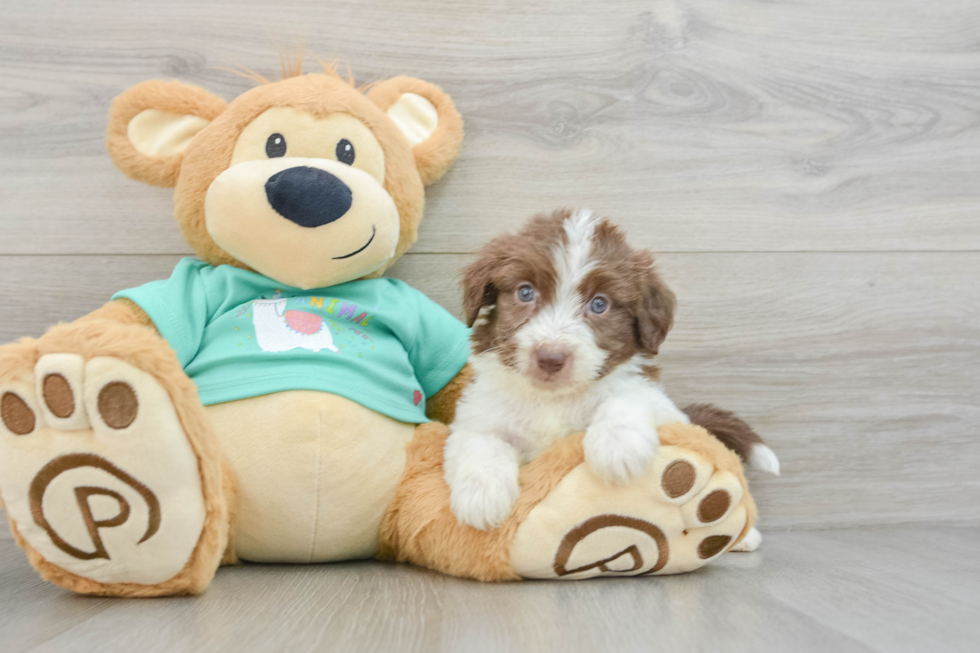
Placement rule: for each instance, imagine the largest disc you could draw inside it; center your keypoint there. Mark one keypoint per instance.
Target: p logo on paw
(583, 548)
(83, 494)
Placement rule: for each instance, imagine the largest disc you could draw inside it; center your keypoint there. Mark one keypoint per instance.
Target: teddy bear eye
(275, 146)
(345, 152)
(599, 305)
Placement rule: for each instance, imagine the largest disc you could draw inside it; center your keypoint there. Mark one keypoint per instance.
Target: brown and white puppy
(568, 319)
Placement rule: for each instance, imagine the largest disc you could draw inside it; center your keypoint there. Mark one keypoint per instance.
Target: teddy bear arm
(441, 407)
(123, 311)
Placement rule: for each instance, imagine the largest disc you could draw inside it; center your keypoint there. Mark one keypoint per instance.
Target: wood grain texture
(707, 125)
(858, 369)
(888, 589)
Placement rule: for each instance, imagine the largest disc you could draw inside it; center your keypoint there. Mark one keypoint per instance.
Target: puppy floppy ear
(151, 125)
(654, 313)
(427, 118)
(478, 288)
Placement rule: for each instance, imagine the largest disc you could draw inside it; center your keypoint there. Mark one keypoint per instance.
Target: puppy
(570, 320)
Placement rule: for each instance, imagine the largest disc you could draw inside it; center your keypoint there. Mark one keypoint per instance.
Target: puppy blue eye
(345, 152)
(525, 293)
(275, 146)
(599, 305)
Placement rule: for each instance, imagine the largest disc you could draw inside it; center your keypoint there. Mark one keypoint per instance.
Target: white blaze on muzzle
(562, 321)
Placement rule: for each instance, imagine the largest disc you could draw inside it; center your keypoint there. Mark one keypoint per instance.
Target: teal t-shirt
(238, 334)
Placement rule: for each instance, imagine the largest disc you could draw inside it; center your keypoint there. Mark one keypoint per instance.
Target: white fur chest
(530, 420)
(534, 426)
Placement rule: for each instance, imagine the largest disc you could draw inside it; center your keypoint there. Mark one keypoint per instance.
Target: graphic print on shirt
(278, 329)
(234, 337)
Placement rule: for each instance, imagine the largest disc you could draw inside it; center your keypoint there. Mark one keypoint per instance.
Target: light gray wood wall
(810, 172)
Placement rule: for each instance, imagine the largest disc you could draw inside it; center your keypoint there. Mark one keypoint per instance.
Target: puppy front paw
(619, 451)
(483, 498)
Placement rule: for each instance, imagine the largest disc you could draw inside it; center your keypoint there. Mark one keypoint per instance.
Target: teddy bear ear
(151, 125)
(427, 118)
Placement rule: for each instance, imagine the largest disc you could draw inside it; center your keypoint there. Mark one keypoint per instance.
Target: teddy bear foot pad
(681, 514)
(100, 482)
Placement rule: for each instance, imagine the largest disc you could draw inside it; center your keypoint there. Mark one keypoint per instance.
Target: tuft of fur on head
(293, 67)
(569, 259)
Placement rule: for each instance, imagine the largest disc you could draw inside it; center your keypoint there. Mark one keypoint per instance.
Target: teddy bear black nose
(310, 197)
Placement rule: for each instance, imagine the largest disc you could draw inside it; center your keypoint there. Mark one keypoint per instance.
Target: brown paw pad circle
(678, 478)
(17, 416)
(118, 405)
(58, 395)
(714, 506)
(713, 545)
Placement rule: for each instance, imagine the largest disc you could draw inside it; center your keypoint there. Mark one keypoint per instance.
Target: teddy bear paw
(681, 513)
(96, 473)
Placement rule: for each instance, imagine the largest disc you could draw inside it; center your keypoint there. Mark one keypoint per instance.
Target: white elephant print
(277, 329)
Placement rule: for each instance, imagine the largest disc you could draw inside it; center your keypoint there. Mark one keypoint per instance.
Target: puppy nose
(551, 360)
(310, 197)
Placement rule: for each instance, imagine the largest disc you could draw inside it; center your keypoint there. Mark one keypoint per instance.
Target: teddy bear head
(308, 180)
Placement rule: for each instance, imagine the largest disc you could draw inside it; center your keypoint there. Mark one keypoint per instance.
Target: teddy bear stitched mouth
(309, 197)
(360, 249)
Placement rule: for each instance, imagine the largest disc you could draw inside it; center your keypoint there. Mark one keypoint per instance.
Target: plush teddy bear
(270, 401)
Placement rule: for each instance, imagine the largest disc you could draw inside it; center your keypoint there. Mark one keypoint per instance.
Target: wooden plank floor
(886, 589)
